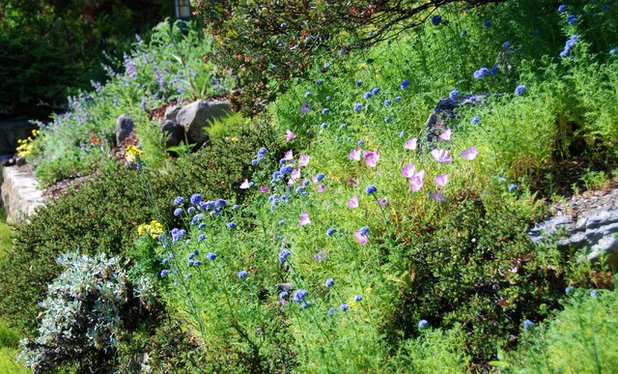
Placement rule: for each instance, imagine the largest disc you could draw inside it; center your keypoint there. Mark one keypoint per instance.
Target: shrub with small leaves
(84, 310)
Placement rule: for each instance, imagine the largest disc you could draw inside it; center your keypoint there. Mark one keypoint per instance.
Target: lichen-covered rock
(20, 193)
(589, 221)
(174, 134)
(171, 112)
(195, 116)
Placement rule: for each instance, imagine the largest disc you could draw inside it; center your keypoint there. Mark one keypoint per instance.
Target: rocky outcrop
(588, 221)
(124, 127)
(20, 193)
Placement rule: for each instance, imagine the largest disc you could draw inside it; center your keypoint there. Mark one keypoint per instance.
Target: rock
(174, 134)
(20, 193)
(171, 112)
(444, 111)
(124, 127)
(195, 116)
(592, 226)
(20, 161)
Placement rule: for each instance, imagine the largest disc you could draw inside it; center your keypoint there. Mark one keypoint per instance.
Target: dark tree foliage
(266, 42)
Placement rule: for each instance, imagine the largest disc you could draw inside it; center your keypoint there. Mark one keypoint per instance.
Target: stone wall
(20, 193)
(11, 131)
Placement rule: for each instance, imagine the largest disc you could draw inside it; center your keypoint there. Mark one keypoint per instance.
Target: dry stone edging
(20, 193)
(591, 223)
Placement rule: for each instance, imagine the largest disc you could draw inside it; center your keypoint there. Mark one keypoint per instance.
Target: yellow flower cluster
(25, 147)
(154, 229)
(132, 153)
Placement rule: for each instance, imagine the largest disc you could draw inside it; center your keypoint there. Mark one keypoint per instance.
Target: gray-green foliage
(85, 308)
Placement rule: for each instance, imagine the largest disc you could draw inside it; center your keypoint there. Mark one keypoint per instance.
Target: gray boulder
(174, 134)
(195, 116)
(124, 127)
(171, 112)
(590, 222)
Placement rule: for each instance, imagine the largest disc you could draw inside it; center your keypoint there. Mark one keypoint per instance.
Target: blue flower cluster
(570, 43)
(260, 156)
(480, 73)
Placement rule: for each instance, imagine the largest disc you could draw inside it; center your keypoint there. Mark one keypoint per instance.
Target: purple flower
(464, 32)
(512, 187)
(196, 198)
(438, 197)
(453, 94)
(481, 73)
(242, 274)
(305, 304)
(441, 180)
(304, 219)
(353, 202)
(329, 282)
(211, 256)
(307, 94)
(469, 154)
(331, 311)
(283, 255)
(299, 296)
(519, 90)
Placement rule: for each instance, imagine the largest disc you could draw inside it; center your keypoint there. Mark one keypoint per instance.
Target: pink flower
(371, 158)
(289, 155)
(282, 302)
(321, 187)
(295, 175)
(353, 202)
(441, 155)
(411, 144)
(441, 180)
(469, 154)
(289, 135)
(438, 197)
(353, 181)
(382, 201)
(246, 184)
(416, 181)
(362, 239)
(355, 154)
(445, 135)
(304, 160)
(264, 189)
(304, 219)
(408, 170)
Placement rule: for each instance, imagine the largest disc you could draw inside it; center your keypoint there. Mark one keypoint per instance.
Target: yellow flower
(234, 139)
(155, 228)
(132, 153)
(141, 229)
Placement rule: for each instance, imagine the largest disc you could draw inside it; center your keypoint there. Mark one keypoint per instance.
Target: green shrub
(8, 362)
(579, 339)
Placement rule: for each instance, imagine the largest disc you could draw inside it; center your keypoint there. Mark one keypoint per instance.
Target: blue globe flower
(231, 225)
(201, 237)
(397, 98)
(164, 272)
(364, 230)
(423, 324)
(569, 290)
(405, 83)
(435, 20)
(190, 210)
(177, 212)
(387, 102)
(329, 282)
(344, 307)
(319, 176)
(475, 120)
(561, 8)
(211, 256)
(519, 90)
(371, 189)
(487, 24)
(196, 198)
(299, 296)
(453, 94)
(388, 119)
(330, 231)
(358, 107)
(358, 298)
(179, 200)
(283, 255)
(359, 82)
(242, 274)
(528, 324)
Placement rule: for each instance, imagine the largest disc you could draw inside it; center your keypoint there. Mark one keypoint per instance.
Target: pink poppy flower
(416, 181)
(371, 158)
(446, 135)
(321, 187)
(410, 144)
(441, 155)
(304, 160)
(353, 181)
(382, 201)
(264, 189)
(355, 154)
(362, 239)
(304, 219)
(282, 302)
(289, 155)
(353, 202)
(438, 197)
(295, 175)
(289, 135)
(408, 170)
(441, 180)
(246, 184)
(469, 154)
